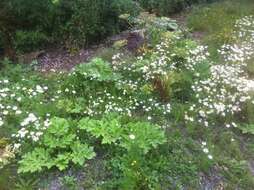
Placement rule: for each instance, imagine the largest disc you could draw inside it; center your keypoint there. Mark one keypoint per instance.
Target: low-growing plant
(247, 129)
(151, 27)
(108, 128)
(240, 168)
(138, 171)
(139, 135)
(218, 31)
(58, 147)
(97, 72)
(250, 67)
(69, 182)
(106, 54)
(26, 184)
(250, 111)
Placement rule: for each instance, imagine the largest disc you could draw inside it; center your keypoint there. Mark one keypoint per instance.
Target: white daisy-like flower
(132, 137)
(205, 150)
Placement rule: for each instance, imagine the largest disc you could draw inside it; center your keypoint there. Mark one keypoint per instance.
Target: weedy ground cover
(169, 117)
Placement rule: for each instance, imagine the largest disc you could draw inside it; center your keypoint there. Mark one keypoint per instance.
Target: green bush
(27, 41)
(28, 25)
(25, 15)
(87, 21)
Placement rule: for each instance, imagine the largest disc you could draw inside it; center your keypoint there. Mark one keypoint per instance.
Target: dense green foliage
(21, 15)
(27, 25)
(60, 136)
(167, 116)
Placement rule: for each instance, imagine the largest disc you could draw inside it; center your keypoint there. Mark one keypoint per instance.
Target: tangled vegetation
(169, 116)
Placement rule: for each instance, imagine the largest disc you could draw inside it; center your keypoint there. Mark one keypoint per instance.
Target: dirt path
(59, 59)
(63, 60)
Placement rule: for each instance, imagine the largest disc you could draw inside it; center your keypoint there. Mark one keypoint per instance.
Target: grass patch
(217, 20)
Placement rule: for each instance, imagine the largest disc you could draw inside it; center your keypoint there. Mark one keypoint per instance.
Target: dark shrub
(81, 22)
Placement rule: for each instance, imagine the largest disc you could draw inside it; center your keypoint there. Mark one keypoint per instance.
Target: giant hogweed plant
(58, 147)
(62, 143)
(92, 77)
(134, 142)
(139, 135)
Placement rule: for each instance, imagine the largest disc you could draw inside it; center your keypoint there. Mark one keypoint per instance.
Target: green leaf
(98, 70)
(62, 161)
(52, 141)
(58, 134)
(109, 128)
(247, 129)
(59, 126)
(143, 135)
(35, 161)
(81, 153)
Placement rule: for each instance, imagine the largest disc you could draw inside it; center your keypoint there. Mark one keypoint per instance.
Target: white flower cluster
(245, 28)
(243, 49)
(223, 92)
(118, 61)
(32, 129)
(165, 58)
(196, 56)
(1, 122)
(206, 150)
(237, 53)
(127, 100)
(7, 107)
(7, 153)
(165, 61)
(159, 63)
(16, 97)
(228, 87)
(124, 104)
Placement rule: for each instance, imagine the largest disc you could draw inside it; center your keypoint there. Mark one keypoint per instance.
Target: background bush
(28, 25)
(81, 22)
(27, 41)
(25, 15)
(166, 7)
